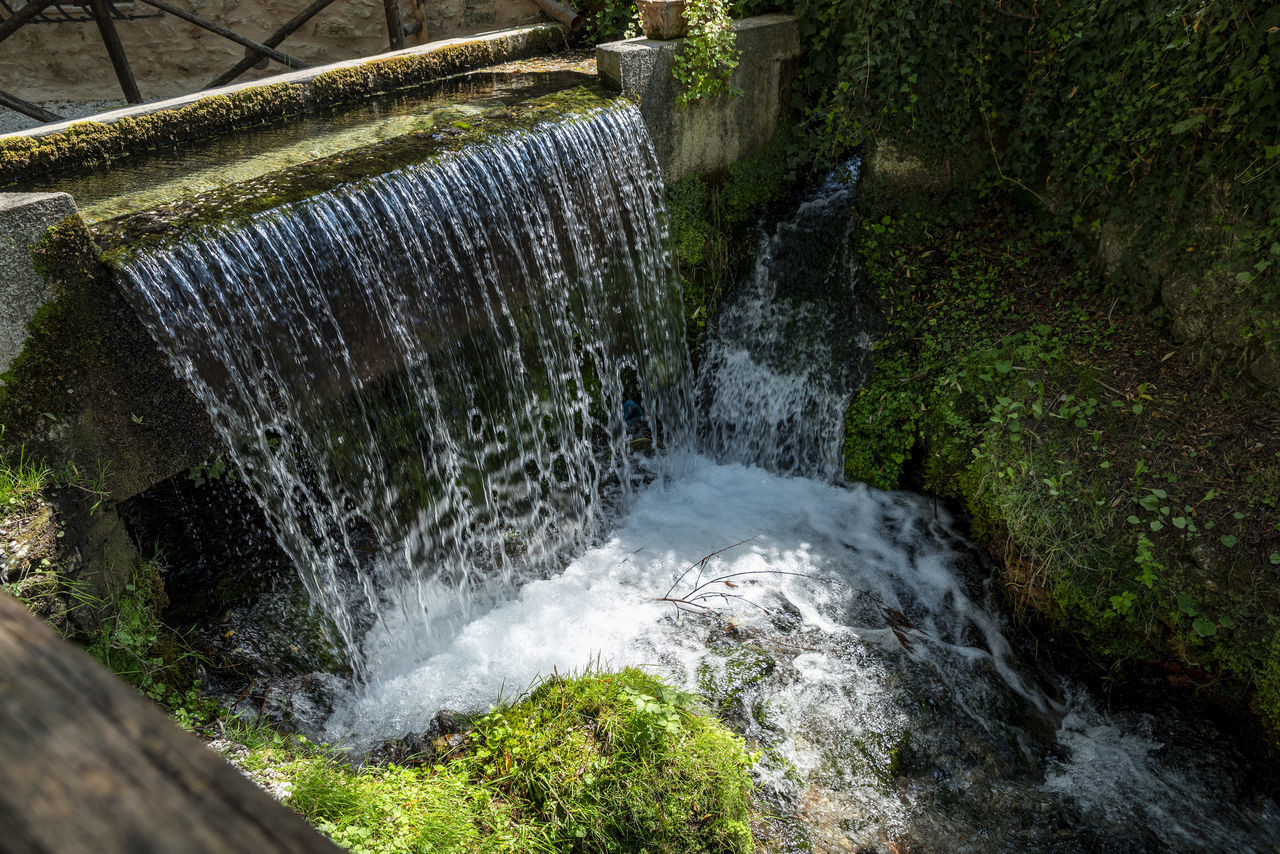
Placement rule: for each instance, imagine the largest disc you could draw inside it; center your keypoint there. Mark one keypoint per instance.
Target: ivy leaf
(1205, 628)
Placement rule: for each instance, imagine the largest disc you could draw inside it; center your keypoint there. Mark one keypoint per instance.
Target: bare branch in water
(701, 592)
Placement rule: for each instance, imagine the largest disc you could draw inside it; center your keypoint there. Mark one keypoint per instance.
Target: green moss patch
(605, 762)
(85, 143)
(1129, 492)
(71, 397)
(713, 226)
(176, 221)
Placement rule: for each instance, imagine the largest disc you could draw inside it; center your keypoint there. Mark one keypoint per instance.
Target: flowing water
(446, 387)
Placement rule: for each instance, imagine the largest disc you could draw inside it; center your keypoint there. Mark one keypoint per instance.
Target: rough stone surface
(709, 135)
(24, 218)
(170, 57)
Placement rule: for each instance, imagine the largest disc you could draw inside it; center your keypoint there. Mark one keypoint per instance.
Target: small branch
(700, 564)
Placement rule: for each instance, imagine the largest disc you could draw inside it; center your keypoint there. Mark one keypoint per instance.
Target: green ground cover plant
(1129, 494)
(601, 762)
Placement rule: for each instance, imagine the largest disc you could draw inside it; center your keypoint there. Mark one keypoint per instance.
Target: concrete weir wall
(80, 378)
(709, 135)
(24, 218)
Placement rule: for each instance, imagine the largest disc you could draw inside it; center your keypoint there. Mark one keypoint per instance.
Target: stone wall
(24, 218)
(169, 57)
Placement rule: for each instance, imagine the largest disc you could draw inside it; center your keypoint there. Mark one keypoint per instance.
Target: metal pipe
(566, 15)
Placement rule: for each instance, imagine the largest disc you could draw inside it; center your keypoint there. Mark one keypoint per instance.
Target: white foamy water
(944, 737)
(604, 606)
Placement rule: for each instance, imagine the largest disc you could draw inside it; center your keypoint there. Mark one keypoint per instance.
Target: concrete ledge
(709, 135)
(120, 133)
(24, 219)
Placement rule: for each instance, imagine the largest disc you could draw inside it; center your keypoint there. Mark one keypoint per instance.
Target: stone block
(24, 218)
(709, 135)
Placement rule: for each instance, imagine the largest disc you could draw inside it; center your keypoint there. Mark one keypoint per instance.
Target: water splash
(423, 375)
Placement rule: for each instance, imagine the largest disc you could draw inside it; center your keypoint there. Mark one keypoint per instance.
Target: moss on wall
(714, 221)
(1129, 495)
(176, 221)
(90, 388)
(86, 143)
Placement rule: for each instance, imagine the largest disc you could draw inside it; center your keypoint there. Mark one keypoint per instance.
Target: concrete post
(710, 135)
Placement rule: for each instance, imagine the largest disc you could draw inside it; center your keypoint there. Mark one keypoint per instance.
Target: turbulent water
(495, 511)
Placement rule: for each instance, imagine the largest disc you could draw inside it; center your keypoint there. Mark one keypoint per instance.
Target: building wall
(169, 57)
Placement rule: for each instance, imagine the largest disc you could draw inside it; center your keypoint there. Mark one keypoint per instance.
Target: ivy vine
(1159, 115)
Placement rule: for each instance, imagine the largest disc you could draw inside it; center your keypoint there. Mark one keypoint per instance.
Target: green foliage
(709, 54)
(605, 762)
(618, 762)
(609, 21)
(1005, 381)
(21, 482)
(713, 225)
(1159, 118)
(136, 646)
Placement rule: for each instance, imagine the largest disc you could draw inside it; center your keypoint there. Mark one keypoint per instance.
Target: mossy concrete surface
(178, 221)
(712, 134)
(24, 218)
(120, 133)
(90, 389)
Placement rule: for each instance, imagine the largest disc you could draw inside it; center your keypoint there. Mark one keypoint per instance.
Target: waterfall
(792, 344)
(436, 382)
(431, 379)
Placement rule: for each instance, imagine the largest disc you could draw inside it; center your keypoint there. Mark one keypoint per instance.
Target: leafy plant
(709, 53)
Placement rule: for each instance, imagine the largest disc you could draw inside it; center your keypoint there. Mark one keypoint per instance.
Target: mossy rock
(603, 762)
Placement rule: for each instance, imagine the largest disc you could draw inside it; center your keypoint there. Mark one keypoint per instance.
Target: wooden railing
(104, 14)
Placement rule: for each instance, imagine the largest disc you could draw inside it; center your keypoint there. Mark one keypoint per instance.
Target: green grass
(21, 482)
(603, 762)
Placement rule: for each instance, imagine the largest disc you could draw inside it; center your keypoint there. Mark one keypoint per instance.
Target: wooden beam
(120, 62)
(258, 47)
(27, 108)
(286, 29)
(20, 17)
(395, 24)
(87, 764)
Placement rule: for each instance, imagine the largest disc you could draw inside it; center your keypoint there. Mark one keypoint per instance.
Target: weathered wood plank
(111, 38)
(274, 40)
(395, 24)
(89, 765)
(27, 108)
